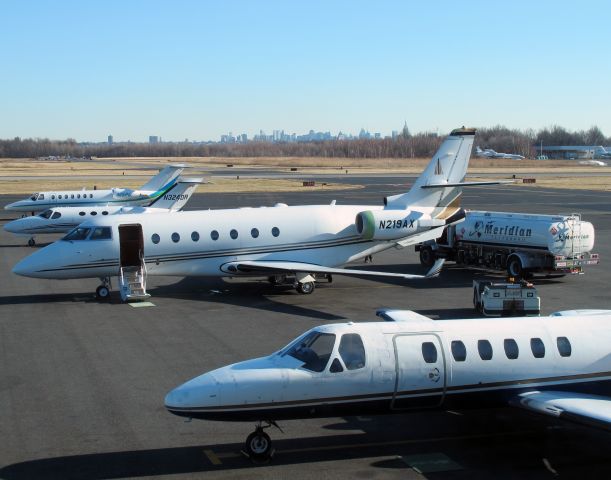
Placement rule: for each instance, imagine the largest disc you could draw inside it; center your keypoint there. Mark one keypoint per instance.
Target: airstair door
(132, 276)
(132, 245)
(420, 371)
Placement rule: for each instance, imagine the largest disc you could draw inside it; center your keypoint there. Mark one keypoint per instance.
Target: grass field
(558, 173)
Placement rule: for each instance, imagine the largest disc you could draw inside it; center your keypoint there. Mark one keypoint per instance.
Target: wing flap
(263, 267)
(591, 410)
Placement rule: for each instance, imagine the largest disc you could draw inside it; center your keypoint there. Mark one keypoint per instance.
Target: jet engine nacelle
(385, 224)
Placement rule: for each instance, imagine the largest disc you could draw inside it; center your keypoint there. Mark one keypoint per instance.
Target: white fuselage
(319, 234)
(85, 198)
(405, 365)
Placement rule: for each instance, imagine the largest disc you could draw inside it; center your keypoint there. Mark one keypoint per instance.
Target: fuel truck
(519, 243)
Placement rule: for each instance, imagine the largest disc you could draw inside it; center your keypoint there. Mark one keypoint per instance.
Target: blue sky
(196, 69)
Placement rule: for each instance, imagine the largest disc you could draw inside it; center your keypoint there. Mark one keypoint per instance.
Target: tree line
(406, 145)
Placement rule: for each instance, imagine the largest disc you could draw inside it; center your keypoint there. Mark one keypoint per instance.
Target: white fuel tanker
(518, 242)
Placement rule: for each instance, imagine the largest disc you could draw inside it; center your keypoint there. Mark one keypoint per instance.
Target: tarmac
(82, 382)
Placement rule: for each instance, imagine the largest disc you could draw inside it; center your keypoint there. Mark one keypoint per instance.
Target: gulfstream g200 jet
(295, 241)
(147, 193)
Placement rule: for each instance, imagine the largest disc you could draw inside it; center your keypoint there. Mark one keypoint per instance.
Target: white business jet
(489, 153)
(558, 366)
(64, 219)
(151, 190)
(299, 241)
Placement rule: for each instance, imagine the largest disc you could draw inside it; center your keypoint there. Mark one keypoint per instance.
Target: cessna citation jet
(151, 190)
(558, 366)
(299, 241)
(64, 219)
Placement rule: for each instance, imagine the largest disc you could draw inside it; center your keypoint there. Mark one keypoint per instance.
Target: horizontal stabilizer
(466, 184)
(591, 410)
(262, 267)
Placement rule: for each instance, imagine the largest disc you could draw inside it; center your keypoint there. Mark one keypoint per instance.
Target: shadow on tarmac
(480, 445)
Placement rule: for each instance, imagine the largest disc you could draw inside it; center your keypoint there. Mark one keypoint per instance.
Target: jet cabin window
(538, 347)
(79, 233)
(511, 348)
(429, 352)
(564, 346)
(314, 350)
(459, 352)
(485, 349)
(352, 351)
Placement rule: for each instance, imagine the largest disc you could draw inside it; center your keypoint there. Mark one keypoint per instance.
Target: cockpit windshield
(79, 233)
(314, 349)
(34, 196)
(46, 214)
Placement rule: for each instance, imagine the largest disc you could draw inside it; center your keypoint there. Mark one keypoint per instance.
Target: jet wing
(591, 410)
(256, 266)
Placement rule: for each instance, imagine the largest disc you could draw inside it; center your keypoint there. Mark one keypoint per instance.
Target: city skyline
(199, 70)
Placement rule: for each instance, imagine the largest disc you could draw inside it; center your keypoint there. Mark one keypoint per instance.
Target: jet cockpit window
(101, 233)
(352, 351)
(55, 215)
(34, 197)
(314, 350)
(41, 196)
(46, 214)
(79, 233)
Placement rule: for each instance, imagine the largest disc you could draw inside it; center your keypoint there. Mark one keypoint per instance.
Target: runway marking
(431, 462)
(549, 467)
(142, 304)
(213, 457)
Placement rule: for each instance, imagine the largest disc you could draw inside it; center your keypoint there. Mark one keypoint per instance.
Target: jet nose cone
(25, 267)
(201, 392)
(10, 226)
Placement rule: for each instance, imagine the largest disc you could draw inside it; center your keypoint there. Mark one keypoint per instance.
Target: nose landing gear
(103, 291)
(258, 445)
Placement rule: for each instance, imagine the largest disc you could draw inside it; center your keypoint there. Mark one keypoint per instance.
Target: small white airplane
(154, 188)
(596, 163)
(299, 241)
(64, 219)
(558, 366)
(489, 153)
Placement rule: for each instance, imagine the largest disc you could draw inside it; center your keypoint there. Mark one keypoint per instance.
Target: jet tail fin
(177, 196)
(164, 178)
(439, 187)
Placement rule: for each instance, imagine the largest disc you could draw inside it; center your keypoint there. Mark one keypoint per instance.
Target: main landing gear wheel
(259, 445)
(31, 242)
(305, 287)
(102, 292)
(427, 257)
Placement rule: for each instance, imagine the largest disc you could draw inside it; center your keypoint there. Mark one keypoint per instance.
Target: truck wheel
(427, 257)
(514, 267)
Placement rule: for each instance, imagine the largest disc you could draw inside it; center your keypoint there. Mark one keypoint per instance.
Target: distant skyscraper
(110, 139)
(153, 139)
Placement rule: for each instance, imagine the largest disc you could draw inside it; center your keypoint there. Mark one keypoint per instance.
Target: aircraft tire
(514, 267)
(427, 257)
(259, 445)
(305, 288)
(31, 242)
(102, 292)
